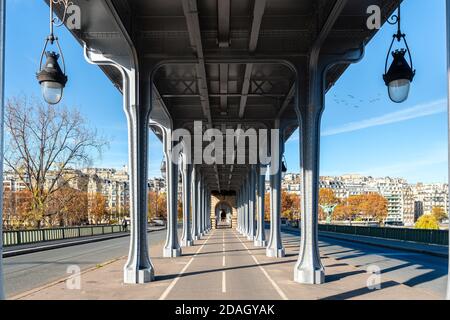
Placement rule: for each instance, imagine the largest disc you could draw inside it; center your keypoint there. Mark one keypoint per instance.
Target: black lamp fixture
(400, 74)
(283, 167)
(163, 168)
(51, 77)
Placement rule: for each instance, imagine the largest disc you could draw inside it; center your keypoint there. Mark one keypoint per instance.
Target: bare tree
(42, 143)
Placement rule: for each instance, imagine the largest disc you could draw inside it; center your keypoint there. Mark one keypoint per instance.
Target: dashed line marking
(274, 284)
(224, 282)
(174, 281)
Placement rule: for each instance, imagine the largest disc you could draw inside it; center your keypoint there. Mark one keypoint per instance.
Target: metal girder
(223, 70)
(193, 24)
(287, 100)
(258, 12)
(191, 13)
(223, 16)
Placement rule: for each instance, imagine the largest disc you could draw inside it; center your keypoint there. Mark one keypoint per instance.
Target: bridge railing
(21, 237)
(438, 237)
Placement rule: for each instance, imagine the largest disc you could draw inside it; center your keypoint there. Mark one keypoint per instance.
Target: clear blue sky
(363, 132)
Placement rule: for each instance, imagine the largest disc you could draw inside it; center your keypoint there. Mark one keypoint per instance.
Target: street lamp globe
(399, 77)
(400, 74)
(52, 79)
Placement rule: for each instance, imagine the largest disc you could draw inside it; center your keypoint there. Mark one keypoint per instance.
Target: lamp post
(400, 74)
(51, 77)
(283, 168)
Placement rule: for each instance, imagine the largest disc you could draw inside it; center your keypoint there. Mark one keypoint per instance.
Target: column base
(260, 243)
(275, 253)
(187, 243)
(132, 276)
(308, 276)
(196, 238)
(251, 238)
(171, 253)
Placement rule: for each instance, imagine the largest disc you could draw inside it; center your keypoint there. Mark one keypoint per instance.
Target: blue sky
(362, 131)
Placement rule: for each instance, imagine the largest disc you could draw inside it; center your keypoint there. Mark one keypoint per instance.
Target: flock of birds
(352, 101)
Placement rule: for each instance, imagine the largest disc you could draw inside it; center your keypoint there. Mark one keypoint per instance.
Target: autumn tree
(439, 214)
(427, 222)
(67, 207)
(290, 205)
(97, 208)
(374, 206)
(366, 206)
(267, 206)
(16, 208)
(180, 209)
(157, 205)
(42, 142)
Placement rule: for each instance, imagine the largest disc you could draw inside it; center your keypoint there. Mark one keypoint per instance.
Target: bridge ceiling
(214, 51)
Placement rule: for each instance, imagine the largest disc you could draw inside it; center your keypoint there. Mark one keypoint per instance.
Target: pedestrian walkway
(225, 265)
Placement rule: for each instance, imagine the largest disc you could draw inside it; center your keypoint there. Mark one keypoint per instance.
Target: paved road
(413, 269)
(29, 271)
(230, 266)
(223, 269)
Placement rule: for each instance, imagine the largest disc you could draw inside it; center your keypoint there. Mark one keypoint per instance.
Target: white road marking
(274, 284)
(174, 281)
(224, 282)
(223, 261)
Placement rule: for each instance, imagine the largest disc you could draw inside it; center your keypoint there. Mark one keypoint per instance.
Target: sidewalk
(430, 249)
(224, 265)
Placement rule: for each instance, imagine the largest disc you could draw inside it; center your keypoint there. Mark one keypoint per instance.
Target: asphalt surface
(29, 271)
(223, 269)
(419, 270)
(423, 271)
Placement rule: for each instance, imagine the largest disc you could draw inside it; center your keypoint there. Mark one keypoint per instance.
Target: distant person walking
(124, 225)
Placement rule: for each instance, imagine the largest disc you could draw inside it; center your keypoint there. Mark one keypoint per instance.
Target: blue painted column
(199, 206)
(194, 200)
(245, 233)
(2, 86)
(251, 204)
(448, 95)
(186, 238)
(260, 240)
(275, 246)
(172, 247)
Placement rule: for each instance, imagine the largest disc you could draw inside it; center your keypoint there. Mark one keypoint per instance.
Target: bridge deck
(225, 265)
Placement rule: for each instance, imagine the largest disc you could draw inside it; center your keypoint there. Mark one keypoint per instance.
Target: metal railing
(21, 237)
(439, 237)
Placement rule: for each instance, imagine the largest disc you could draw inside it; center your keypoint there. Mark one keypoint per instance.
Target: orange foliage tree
(157, 205)
(366, 206)
(97, 208)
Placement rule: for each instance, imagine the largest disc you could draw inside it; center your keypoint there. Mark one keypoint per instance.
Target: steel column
(202, 212)
(194, 202)
(2, 108)
(309, 268)
(251, 203)
(260, 240)
(172, 246)
(245, 233)
(200, 206)
(186, 238)
(138, 268)
(275, 245)
(448, 95)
